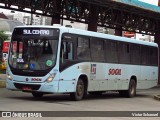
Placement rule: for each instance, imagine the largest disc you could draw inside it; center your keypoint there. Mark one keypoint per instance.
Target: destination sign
(46, 33)
(36, 32)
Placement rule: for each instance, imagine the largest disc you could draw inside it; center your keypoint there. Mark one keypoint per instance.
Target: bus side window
(70, 50)
(62, 53)
(135, 54)
(154, 56)
(66, 51)
(145, 56)
(83, 49)
(111, 51)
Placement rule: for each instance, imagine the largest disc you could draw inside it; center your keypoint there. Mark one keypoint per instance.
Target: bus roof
(93, 34)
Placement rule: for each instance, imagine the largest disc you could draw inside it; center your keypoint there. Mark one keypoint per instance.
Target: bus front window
(33, 52)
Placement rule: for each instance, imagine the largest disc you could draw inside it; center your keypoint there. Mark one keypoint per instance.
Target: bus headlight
(51, 77)
(9, 76)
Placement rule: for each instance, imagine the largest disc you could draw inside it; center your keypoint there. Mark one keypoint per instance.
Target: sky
(154, 2)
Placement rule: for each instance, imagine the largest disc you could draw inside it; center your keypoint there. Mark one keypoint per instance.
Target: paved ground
(2, 76)
(2, 80)
(19, 101)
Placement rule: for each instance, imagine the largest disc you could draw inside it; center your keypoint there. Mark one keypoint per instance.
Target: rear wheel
(80, 91)
(131, 92)
(37, 94)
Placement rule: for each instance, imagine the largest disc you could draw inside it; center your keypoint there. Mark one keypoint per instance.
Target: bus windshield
(33, 49)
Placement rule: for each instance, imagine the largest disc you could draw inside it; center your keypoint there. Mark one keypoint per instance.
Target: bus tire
(80, 91)
(37, 94)
(131, 92)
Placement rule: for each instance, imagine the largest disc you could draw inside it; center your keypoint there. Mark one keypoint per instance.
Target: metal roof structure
(127, 15)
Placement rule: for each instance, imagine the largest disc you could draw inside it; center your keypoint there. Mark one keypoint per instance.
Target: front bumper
(39, 87)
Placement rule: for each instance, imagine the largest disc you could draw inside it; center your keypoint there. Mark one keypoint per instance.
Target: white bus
(57, 59)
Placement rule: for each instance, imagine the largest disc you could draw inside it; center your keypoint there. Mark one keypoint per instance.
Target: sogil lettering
(114, 72)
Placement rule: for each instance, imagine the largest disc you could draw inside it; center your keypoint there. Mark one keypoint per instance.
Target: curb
(157, 97)
(2, 83)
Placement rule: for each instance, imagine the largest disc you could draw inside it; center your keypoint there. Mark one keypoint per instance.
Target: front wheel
(37, 94)
(80, 91)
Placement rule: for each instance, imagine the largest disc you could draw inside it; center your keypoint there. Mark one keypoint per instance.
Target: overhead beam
(93, 18)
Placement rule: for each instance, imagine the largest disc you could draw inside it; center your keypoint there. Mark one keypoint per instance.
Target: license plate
(26, 88)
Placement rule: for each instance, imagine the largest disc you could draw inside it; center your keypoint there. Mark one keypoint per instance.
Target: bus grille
(22, 73)
(33, 87)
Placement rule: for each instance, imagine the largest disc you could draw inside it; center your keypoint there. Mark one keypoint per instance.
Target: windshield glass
(33, 49)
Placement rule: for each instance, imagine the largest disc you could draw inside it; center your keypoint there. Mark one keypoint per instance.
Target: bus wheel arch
(131, 92)
(81, 86)
(85, 80)
(134, 78)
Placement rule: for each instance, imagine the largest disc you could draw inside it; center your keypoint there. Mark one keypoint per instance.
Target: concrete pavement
(20, 101)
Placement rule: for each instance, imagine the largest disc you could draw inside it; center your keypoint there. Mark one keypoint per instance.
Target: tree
(3, 37)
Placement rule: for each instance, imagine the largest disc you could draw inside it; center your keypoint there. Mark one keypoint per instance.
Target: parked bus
(56, 59)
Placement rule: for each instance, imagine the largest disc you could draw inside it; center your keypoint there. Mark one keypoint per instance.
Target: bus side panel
(70, 76)
(111, 76)
(149, 77)
(127, 72)
(119, 75)
(97, 80)
(68, 79)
